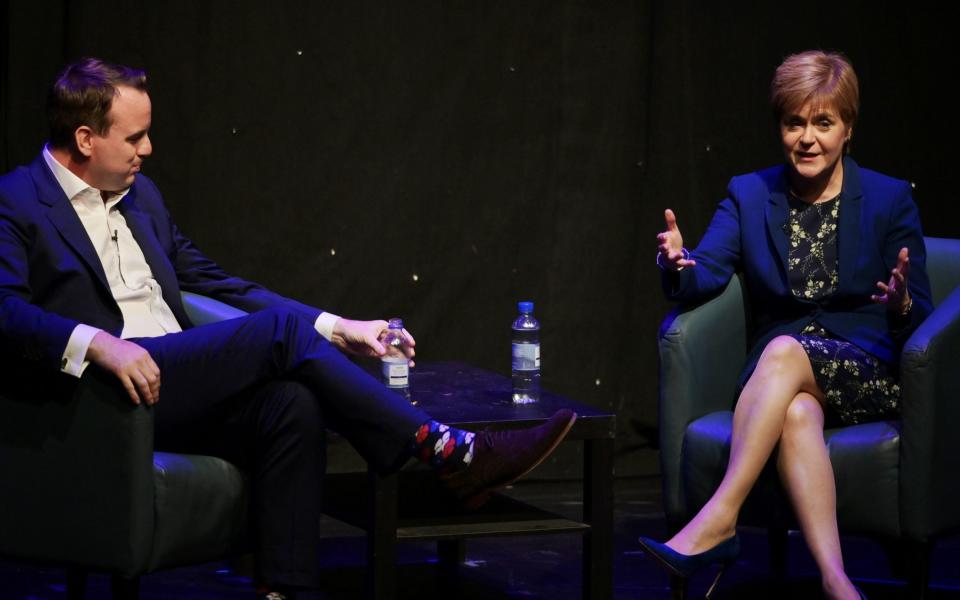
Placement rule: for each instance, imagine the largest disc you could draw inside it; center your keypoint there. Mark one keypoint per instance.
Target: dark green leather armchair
(896, 480)
(81, 485)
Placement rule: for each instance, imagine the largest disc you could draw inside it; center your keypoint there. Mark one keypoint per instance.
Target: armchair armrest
(76, 466)
(203, 310)
(929, 452)
(76, 476)
(702, 350)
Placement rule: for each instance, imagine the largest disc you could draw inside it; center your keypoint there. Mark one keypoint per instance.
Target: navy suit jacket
(748, 234)
(51, 278)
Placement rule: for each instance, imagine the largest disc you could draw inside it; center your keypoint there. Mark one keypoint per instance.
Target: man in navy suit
(91, 270)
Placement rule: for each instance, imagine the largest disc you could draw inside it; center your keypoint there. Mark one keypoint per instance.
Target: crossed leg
(807, 475)
(765, 412)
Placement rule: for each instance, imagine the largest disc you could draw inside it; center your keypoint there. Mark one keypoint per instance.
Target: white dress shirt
(145, 313)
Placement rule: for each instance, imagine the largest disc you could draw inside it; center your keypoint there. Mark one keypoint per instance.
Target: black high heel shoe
(683, 566)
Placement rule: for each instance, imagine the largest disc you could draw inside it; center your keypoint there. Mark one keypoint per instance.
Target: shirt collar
(72, 185)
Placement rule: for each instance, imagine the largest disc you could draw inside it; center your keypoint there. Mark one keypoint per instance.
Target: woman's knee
(782, 349)
(785, 356)
(804, 414)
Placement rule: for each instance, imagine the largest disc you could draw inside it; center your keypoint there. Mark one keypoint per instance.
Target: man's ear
(84, 139)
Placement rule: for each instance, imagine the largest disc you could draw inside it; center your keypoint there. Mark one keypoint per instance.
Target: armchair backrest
(943, 266)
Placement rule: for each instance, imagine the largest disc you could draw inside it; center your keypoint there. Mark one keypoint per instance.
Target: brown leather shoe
(502, 457)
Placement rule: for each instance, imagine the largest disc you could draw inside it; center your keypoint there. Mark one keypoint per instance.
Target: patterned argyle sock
(445, 448)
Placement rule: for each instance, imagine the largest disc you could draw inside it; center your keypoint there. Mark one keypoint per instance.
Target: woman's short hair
(83, 94)
(825, 79)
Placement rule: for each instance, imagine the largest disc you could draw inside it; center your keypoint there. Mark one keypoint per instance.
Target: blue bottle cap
(525, 307)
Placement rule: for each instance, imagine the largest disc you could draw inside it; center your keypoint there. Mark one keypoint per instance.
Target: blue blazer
(51, 278)
(748, 234)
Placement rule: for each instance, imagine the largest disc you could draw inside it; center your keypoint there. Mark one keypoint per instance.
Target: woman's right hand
(672, 256)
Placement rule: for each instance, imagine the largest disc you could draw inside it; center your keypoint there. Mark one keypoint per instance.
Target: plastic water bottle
(395, 365)
(526, 356)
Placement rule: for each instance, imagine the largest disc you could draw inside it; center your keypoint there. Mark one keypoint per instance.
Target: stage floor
(527, 567)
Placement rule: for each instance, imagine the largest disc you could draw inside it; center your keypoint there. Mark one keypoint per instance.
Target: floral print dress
(857, 385)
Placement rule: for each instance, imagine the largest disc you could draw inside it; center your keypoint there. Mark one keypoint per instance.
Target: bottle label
(526, 357)
(396, 372)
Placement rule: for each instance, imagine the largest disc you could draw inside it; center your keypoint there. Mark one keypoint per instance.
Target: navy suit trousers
(259, 391)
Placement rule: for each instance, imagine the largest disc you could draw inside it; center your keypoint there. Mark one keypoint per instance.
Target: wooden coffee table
(472, 398)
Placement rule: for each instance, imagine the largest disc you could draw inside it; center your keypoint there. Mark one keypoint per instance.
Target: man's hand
(895, 293)
(670, 245)
(132, 365)
(363, 338)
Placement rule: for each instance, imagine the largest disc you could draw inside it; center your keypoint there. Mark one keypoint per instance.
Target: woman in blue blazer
(833, 259)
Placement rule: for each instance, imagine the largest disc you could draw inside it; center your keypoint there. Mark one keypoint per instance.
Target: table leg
(76, 583)
(450, 555)
(598, 513)
(382, 498)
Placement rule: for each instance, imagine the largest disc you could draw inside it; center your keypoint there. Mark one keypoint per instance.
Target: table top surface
(466, 396)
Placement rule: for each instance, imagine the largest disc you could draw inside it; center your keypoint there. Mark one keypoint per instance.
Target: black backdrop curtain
(441, 160)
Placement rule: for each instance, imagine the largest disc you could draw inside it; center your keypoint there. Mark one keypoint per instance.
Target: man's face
(116, 156)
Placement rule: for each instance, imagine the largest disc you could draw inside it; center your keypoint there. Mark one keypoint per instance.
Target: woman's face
(813, 142)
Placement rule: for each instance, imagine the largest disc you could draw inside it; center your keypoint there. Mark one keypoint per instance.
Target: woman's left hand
(895, 293)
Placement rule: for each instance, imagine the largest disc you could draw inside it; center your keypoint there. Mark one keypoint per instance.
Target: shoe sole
(480, 498)
(667, 566)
